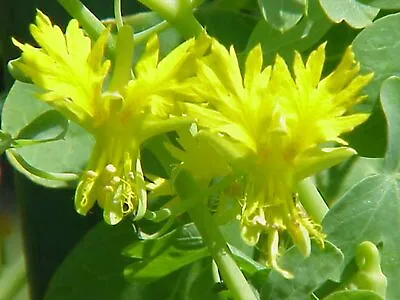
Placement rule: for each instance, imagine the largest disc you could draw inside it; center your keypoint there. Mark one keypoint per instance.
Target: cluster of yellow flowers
(279, 121)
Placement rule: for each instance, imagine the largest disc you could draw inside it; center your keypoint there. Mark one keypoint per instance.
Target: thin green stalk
(12, 279)
(144, 35)
(88, 21)
(118, 13)
(189, 191)
(312, 200)
(178, 13)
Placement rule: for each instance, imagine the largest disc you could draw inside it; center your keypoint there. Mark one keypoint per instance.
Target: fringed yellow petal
(342, 75)
(225, 64)
(159, 87)
(334, 127)
(315, 160)
(50, 38)
(147, 64)
(78, 45)
(181, 62)
(172, 63)
(315, 65)
(281, 79)
(301, 74)
(350, 95)
(66, 68)
(253, 67)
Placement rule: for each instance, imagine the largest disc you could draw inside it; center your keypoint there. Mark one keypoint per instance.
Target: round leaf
(301, 37)
(283, 14)
(27, 117)
(384, 4)
(377, 48)
(354, 13)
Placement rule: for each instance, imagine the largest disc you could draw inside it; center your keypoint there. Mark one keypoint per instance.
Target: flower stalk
(118, 13)
(189, 191)
(178, 13)
(311, 200)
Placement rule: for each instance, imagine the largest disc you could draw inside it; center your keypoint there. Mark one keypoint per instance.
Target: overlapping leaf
(384, 4)
(283, 14)
(310, 273)
(377, 49)
(159, 257)
(353, 12)
(301, 37)
(26, 117)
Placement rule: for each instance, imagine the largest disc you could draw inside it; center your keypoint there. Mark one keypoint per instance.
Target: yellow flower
(283, 123)
(197, 155)
(120, 113)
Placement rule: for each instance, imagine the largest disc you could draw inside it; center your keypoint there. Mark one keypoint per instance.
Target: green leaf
(196, 283)
(242, 253)
(159, 257)
(159, 158)
(199, 283)
(47, 127)
(248, 265)
(371, 209)
(353, 295)
(230, 232)
(384, 4)
(94, 268)
(390, 98)
(283, 14)
(378, 41)
(354, 13)
(193, 282)
(309, 273)
(301, 37)
(23, 115)
(335, 182)
(238, 31)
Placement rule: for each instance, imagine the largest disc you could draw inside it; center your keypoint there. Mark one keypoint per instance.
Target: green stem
(178, 13)
(144, 35)
(88, 21)
(312, 200)
(12, 279)
(118, 13)
(189, 191)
